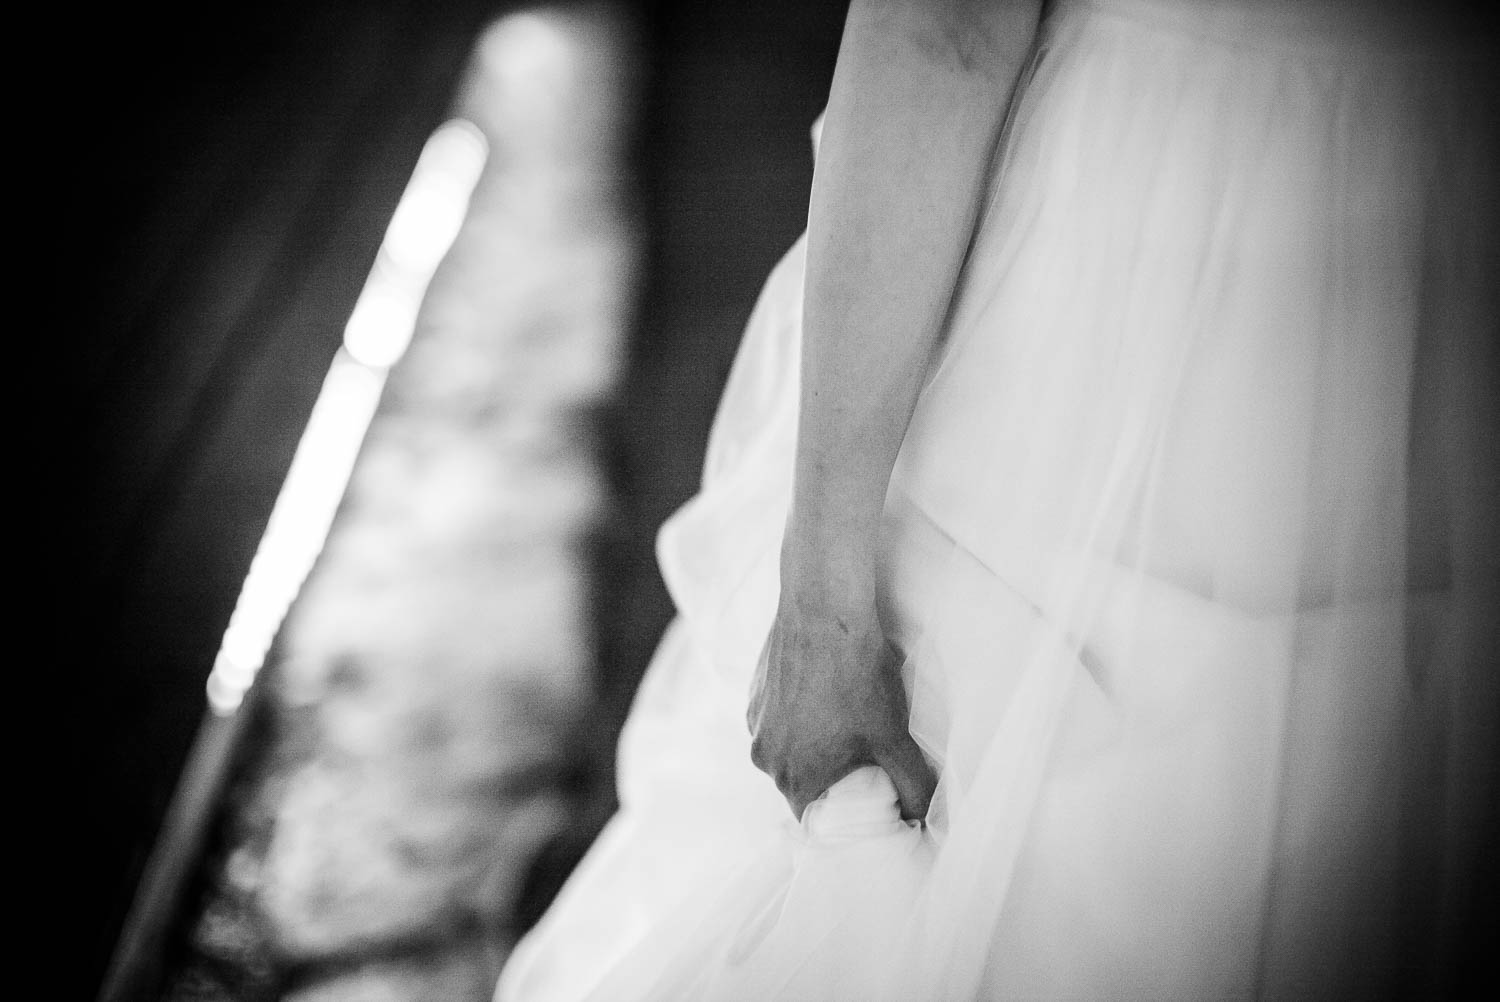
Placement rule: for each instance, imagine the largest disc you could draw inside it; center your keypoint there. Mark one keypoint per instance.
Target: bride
(1099, 519)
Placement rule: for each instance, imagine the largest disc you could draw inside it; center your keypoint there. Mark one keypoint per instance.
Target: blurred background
(487, 264)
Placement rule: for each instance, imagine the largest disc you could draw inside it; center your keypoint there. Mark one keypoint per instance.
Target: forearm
(917, 104)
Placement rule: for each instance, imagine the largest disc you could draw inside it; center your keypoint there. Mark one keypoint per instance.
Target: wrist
(829, 566)
(831, 541)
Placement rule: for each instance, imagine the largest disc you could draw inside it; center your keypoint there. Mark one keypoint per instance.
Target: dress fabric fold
(1190, 551)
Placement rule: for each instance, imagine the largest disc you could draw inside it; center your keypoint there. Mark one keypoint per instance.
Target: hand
(828, 699)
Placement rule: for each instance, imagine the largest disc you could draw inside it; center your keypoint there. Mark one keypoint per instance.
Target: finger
(911, 775)
(796, 801)
(800, 795)
(760, 755)
(812, 785)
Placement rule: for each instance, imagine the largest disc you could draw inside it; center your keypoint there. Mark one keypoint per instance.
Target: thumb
(911, 775)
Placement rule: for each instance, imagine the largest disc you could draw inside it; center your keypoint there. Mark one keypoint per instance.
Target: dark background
(222, 176)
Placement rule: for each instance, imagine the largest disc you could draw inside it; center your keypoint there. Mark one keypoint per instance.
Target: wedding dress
(1190, 550)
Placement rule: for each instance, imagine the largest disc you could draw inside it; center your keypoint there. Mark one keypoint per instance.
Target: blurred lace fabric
(1191, 549)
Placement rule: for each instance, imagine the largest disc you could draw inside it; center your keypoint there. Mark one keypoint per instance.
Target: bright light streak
(433, 207)
(382, 324)
(422, 229)
(424, 226)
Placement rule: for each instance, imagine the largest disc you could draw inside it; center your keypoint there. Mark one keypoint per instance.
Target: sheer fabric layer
(1190, 549)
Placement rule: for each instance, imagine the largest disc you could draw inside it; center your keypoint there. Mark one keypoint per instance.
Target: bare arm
(917, 104)
(916, 107)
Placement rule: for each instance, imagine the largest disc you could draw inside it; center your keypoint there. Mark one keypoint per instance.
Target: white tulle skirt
(1191, 550)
